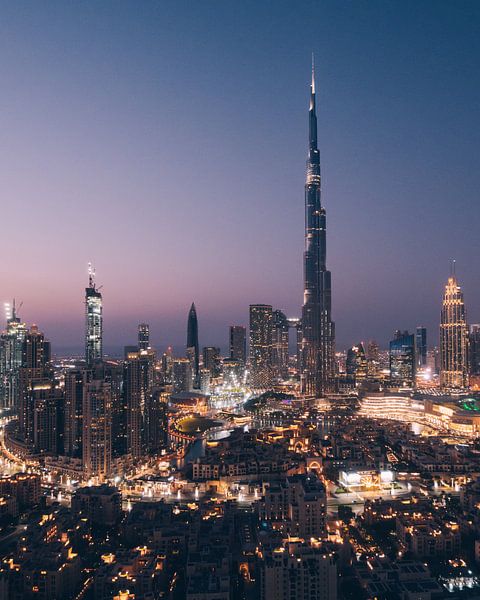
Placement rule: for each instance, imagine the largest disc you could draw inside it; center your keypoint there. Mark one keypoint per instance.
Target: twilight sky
(166, 142)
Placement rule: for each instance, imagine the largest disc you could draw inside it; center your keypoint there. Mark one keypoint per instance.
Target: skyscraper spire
(313, 73)
(318, 335)
(93, 320)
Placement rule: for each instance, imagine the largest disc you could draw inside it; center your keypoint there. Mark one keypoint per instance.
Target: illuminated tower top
(453, 336)
(93, 320)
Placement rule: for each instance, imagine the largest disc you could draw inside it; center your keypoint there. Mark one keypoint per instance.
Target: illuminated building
(238, 343)
(97, 429)
(211, 360)
(421, 346)
(298, 570)
(112, 373)
(261, 317)
(167, 365)
(205, 381)
(402, 359)
(93, 321)
(35, 368)
(11, 347)
(75, 381)
(318, 353)
(296, 505)
(296, 324)
(366, 479)
(233, 372)
(356, 363)
(155, 422)
(280, 331)
(45, 400)
(182, 375)
(373, 359)
(143, 336)
(395, 407)
(474, 350)
(101, 504)
(453, 337)
(138, 382)
(192, 343)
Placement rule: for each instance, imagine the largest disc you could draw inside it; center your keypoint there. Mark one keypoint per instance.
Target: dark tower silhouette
(318, 335)
(192, 343)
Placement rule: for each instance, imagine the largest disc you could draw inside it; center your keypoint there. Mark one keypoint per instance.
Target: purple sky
(166, 143)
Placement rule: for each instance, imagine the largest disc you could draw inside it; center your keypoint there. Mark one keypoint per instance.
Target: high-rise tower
(453, 337)
(238, 343)
(11, 348)
(261, 317)
(318, 330)
(192, 343)
(143, 336)
(93, 321)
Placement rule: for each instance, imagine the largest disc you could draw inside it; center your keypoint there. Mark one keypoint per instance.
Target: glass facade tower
(453, 337)
(318, 330)
(93, 321)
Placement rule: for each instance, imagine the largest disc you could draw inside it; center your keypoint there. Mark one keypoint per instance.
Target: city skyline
(265, 385)
(381, 164)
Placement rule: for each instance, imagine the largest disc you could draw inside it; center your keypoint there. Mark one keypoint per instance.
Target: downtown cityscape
(278, 464)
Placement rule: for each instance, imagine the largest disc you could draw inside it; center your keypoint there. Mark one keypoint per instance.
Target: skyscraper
(238, 343)
(453, 337)
(192, 343)
(261, 317)
(93, 321)
(143, 336)
(46, 400)
(474, 349)
(75, 381)
(97, 429)
(182, 376)
(356, 364)
(211, 360)
(402, 359)
(138, 382)
(11, 348)
(35, 368)
(318, 357)
(280, 338)
(421, 346)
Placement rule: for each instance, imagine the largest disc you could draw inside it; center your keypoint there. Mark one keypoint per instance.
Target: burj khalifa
(318, 329)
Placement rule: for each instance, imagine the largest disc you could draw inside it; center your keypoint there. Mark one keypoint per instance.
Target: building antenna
(452, 267)
(91, 275)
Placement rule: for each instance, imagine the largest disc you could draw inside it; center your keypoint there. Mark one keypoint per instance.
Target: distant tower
(93, 321)
(280, 339)
(474, 349)
(75, 382)
(453, 337)
(143, 336)
(402, 359)
(182, 375)
(35, 367)
(11, 348)
(192, 343)
(356, 364)
(318, 356)
(421, 346)
(138, 379)
(238, 343)
(211, 360)
(261, 318)
(97, 429)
